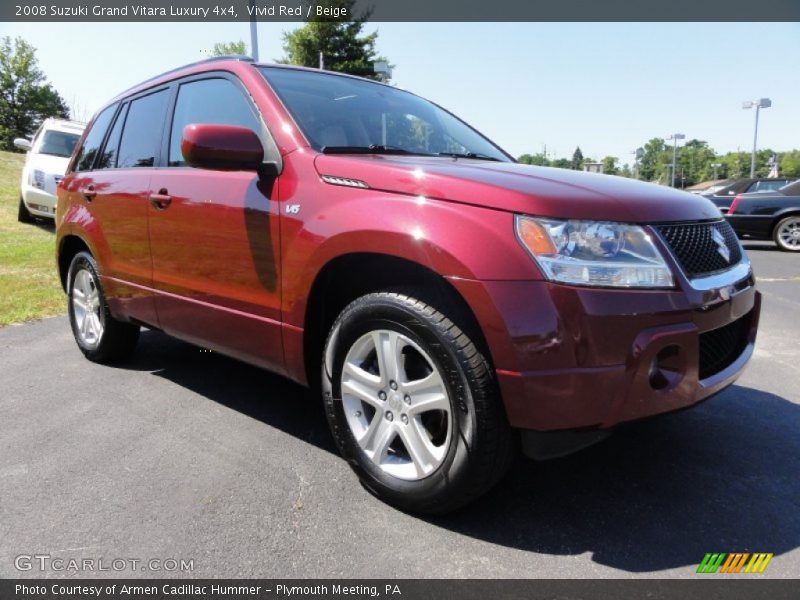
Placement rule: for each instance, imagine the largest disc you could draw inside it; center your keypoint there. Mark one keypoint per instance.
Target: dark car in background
(769, 215)
(724, 196)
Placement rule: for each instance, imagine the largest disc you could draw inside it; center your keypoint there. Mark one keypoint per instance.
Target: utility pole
(253, 32)
(321, 60)
(758, 104)
(675, 137)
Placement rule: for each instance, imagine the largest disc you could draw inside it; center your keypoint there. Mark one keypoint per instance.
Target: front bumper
(570, 357)
(38, 201)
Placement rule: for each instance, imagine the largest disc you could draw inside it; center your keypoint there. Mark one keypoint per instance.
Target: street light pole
(758, 104)
(253, 32)
(675, 137)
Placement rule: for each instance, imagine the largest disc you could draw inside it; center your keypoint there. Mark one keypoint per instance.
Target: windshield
(342, 113)
(58, 143)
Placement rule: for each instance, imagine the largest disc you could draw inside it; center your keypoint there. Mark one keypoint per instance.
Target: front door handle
(89, 193)
(161, 200)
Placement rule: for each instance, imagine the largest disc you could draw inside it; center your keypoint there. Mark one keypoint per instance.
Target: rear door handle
(161, 200)
(89, 193)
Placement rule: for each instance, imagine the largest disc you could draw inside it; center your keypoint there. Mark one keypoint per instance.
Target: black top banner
(399, 10)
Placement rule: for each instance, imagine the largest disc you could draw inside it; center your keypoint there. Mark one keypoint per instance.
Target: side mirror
(23, 144)
(223, 147)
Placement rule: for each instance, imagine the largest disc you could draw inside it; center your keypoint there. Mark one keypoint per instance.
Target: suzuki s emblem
(722, 247)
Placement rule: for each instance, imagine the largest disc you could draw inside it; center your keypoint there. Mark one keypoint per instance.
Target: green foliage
(610, 165)
(227, 48)
(26, 99)
(695, 162)
(344, 47)
(652, 164)
(534, 159)
(789, 163)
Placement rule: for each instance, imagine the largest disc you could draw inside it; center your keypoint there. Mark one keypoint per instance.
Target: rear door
(115, 183)
(215, 235)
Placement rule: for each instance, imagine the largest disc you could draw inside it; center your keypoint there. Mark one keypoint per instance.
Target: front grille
(720, 347)
(697, 252)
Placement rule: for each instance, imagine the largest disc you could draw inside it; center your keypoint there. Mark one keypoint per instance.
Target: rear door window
(141, 136)
(213, 101)
(94, 139)
(108, 159)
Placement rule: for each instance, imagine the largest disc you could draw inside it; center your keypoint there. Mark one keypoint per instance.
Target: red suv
(447, 302)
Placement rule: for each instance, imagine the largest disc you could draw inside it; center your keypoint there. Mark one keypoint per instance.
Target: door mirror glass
(223, 147)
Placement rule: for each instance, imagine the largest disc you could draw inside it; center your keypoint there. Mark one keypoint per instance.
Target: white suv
(48, 156)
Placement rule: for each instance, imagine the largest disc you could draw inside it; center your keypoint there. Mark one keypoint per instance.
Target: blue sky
(608, 87)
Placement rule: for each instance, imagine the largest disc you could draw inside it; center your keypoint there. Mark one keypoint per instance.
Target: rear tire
(413, 404)
(100, 336)
(787, 234)
(23, 214)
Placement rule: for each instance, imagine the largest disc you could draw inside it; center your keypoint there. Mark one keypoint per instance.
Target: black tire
(480, 441)
(23, 214)
(118, 339)
(776, 234)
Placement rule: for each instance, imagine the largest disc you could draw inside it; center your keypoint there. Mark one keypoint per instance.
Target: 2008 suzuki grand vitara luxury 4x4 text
(447, 302)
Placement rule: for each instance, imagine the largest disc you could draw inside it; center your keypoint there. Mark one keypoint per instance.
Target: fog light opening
(666, 370)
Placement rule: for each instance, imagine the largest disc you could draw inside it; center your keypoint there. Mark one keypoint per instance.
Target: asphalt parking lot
(183, 454)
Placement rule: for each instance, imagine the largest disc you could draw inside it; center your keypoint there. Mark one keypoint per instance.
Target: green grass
(29, 286)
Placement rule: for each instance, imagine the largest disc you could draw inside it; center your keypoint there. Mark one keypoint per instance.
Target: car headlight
(594, 253)
(37, 179)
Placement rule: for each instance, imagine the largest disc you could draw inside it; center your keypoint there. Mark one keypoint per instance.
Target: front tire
(23, 214)
(787, 234)
(100, 336)
(413, 405)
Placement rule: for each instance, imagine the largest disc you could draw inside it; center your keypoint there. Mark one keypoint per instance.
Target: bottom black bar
(714, 587)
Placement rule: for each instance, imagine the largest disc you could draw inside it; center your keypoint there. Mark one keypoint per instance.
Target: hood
(541, 191)
(51, 165)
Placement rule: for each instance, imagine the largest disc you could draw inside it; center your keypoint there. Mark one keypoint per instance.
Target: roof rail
(239, 57)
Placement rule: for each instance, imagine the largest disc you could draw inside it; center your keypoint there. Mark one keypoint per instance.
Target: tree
(577, 160)
(343, 46)
(610, 165)
(651, 167)
(26, 99)
(789, 163)
(538, 159)
(227, 48)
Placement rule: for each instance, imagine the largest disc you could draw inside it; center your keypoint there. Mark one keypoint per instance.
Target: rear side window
(217, 101)
(141, 136)
(767, 186)
(108, 159)
(94, 139)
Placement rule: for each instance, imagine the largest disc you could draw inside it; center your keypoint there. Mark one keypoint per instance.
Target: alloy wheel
(396, 404)
(86, 306)
(789, 233)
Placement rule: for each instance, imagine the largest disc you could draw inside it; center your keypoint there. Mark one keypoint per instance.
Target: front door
(214, 237)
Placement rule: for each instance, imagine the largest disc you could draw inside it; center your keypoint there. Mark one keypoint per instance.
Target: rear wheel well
(353, 275)
(70, 246)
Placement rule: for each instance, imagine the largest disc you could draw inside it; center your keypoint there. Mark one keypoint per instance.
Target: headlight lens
(594, 253)
(37, 178)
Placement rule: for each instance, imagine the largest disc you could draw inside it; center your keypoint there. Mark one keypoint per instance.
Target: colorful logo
(734, 562)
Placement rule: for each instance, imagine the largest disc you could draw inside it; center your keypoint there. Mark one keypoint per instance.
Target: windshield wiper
(371, 149)
(475, 155)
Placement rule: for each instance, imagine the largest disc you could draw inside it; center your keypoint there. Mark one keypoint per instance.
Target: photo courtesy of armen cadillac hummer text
(450, 305)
